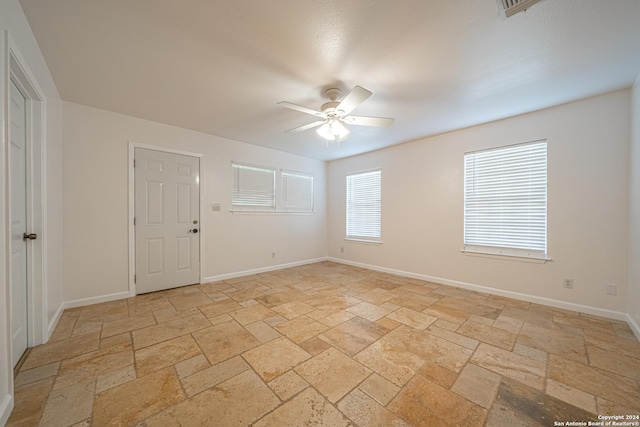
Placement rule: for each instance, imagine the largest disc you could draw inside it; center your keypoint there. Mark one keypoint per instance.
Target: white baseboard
(54, 322)
(633, 325)
(5, 409)
(262, 270)
(95, 300)
(595, 311)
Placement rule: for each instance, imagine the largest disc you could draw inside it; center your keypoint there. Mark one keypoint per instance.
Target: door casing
(132, 236)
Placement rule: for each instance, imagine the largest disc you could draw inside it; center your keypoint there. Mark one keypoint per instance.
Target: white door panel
(18, 219)
(167, 212)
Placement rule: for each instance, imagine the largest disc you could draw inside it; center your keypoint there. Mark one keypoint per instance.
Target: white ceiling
(220, 67)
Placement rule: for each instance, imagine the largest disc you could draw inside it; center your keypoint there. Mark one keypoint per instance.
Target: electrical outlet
(341, 249)
(273, 254)
(568, 284)
(611, 289)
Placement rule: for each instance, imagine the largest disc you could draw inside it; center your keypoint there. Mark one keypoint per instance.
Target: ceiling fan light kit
(336, 113)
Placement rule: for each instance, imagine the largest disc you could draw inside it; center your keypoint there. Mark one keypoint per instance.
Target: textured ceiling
(220, 67)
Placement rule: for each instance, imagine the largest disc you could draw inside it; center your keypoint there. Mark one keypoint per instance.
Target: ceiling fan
(335, 114)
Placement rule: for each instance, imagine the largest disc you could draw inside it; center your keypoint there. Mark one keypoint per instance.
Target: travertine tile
(454, 337)
(379, 388)
(251, 314)
(166, 353)
(445, 353)
(29, 402)
(587, 379)
(115, 378)
(36, 374)
(336, 318)
(368, 311)
(58, 350)
(301, 328)
(293, 309)
(412, 318)
(527, 406)
(442, 376)
(218, 308)
(69, 405)
(613, 362)
(238, 401)
(423, 402)
(390, 361)
(191, 366)
(223, 341)
(576, 365)
(274, 358)
(447, 313)
(168, 330)
(90, 365)
(511, 365)
(367, 412)
(563, 344)
(287, 385)
(353, 335)
(136, 400)
(127, 324)
(332, 373)
(214, 375)
(308, 408)
(477, 385)
(488, 334)
(571, 395)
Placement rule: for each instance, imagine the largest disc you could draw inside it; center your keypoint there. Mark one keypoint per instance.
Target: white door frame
(132, 232)
(16, 69)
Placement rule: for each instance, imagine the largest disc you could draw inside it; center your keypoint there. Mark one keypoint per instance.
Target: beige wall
(13, 21)
(422, 198)
(634, 209)
(96, 203)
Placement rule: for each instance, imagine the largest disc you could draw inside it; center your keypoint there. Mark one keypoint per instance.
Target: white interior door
(18, 220)
(167, 220)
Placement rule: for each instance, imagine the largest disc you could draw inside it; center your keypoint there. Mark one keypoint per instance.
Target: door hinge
(134, 278)
(134, 163)
(134, 220)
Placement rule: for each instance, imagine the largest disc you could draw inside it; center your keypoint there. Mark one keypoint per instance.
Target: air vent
(511, 7)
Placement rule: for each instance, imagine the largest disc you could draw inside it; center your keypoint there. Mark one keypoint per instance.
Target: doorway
(166, 220)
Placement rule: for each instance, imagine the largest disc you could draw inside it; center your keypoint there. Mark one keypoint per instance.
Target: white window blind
(505, 200)
(253, 188)
(297, 192)
(363, 206)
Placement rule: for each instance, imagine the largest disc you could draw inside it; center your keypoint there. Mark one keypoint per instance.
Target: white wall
(96, 203)
(422, 197)
(13, 25)
(634, 209)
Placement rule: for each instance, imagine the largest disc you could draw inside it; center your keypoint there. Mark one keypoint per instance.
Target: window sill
(269, 213)
(507, 257)
(367, 242)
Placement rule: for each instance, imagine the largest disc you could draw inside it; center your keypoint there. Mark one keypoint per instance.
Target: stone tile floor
(327, 345)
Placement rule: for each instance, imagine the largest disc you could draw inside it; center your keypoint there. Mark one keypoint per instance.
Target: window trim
(249, 207)
(363, 239)
(506, 251)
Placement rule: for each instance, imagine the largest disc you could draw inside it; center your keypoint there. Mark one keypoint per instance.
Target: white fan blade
(382, 122)
(353, 99)
(302, 109)
(305, 127)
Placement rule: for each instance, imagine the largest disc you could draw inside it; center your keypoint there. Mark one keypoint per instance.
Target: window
(297, 192)
(363, 206)
(253, 188)
(505, 200)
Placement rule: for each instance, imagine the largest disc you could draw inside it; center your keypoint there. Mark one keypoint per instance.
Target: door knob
(195, 230)
(32, 236)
